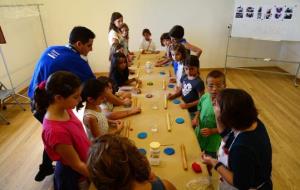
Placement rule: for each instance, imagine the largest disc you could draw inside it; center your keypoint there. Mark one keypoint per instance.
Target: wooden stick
(183, 157)
(139, 56)
(134, 101)
(168, 122)
(170, 73)
(164, 84)
(166, 102)
(128, 129)
(137, 85)
(138, 74)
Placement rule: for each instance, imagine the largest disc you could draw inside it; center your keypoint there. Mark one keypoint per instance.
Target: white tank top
(101, 120)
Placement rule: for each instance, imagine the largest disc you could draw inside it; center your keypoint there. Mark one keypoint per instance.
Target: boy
(206, 131)
(147, 45)
(191, 88)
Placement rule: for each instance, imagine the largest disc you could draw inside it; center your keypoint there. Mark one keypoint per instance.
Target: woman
(245, 159)
(116, 164)
(116, 21)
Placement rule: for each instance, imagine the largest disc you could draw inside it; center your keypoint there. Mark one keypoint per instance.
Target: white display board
(267, 20)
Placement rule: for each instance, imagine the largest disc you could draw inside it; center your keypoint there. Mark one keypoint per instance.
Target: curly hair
(114, 162)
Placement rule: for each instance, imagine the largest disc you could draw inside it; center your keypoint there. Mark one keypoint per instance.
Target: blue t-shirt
(59, 58)
(190, 90)
(250, 158)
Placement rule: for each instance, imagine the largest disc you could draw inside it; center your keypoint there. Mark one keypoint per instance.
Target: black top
(190, 90)
(119, 78)
(250, 158)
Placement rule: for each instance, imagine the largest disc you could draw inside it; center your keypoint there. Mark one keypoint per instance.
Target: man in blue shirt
(72, 58)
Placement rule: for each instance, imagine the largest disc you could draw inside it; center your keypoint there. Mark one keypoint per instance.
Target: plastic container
(154, 153)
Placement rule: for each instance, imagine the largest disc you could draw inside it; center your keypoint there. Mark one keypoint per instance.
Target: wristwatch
(218, 165)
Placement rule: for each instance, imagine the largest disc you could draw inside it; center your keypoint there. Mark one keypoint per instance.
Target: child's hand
(183, 106)
(120, 126)
(206, 132)
(136, 90)
(172, 80)
(157, 64)
(170, 96)
(135, 110)
(127, 102)
(195, 121)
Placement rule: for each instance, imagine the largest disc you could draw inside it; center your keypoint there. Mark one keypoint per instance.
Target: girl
(119, 71)
(125, 37)
(245, 161)
(107, 107)
(178, 53)
(116, 48)
(165, 41)
(116, 163)
(114, 34)
(95, 122)
(63, 135)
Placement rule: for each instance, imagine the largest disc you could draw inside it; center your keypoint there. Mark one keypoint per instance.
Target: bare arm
(197, 50)
(176, 94)
(91, 122)
(114, 99)
(122, 114)
(71, 158)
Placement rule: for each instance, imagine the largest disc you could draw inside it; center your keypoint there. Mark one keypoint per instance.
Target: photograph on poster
(239, 12)
(259, 13)
(268, 13)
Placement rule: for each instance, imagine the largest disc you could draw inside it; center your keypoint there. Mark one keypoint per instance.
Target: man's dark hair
(82, 34)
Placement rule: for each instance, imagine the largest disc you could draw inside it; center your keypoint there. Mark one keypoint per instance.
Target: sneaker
(43, 172)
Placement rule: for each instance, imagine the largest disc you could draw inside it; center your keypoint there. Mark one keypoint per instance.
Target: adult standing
(114, 34)
(72, 58)
(245, 159)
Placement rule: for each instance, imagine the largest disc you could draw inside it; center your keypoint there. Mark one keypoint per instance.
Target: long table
(154, 115)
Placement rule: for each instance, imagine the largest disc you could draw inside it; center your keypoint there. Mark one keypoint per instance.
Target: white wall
(205, 24)
(290, 51)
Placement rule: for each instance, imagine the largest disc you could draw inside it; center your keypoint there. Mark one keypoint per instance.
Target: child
(192, 87)
(179, 54)
(177, 34)
(115, 48)
(147, 44)
(107, 108)
(125, 37)
(63, 135)
(165, 41)
(116, 163)
(95, 122)
(119, 71)
(206, 131)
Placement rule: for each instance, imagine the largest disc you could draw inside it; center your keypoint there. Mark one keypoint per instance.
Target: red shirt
(69, 132)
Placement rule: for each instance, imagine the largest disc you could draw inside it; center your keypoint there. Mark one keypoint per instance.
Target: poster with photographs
(265, 12)
(264, 20)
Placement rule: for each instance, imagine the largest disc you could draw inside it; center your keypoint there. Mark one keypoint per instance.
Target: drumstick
(128, 128)
(164, 84)
(166, 102)
(168, 122)
(183, 157)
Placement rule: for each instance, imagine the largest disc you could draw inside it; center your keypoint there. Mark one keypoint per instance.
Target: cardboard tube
(183, 157)
(164, 84)
(168, 122)
(166, 102)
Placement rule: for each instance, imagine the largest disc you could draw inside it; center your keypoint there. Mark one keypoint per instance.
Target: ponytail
(61, 83)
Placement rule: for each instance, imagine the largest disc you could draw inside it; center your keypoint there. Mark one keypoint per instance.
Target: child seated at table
(178, 53)
(206, 130)
(115, 163)
(191, 88)
(119, 73)
(147, 45)
(95, 122)
(165, 41)
(107, 107)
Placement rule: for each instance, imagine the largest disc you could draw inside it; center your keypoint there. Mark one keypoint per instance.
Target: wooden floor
(277, 100)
